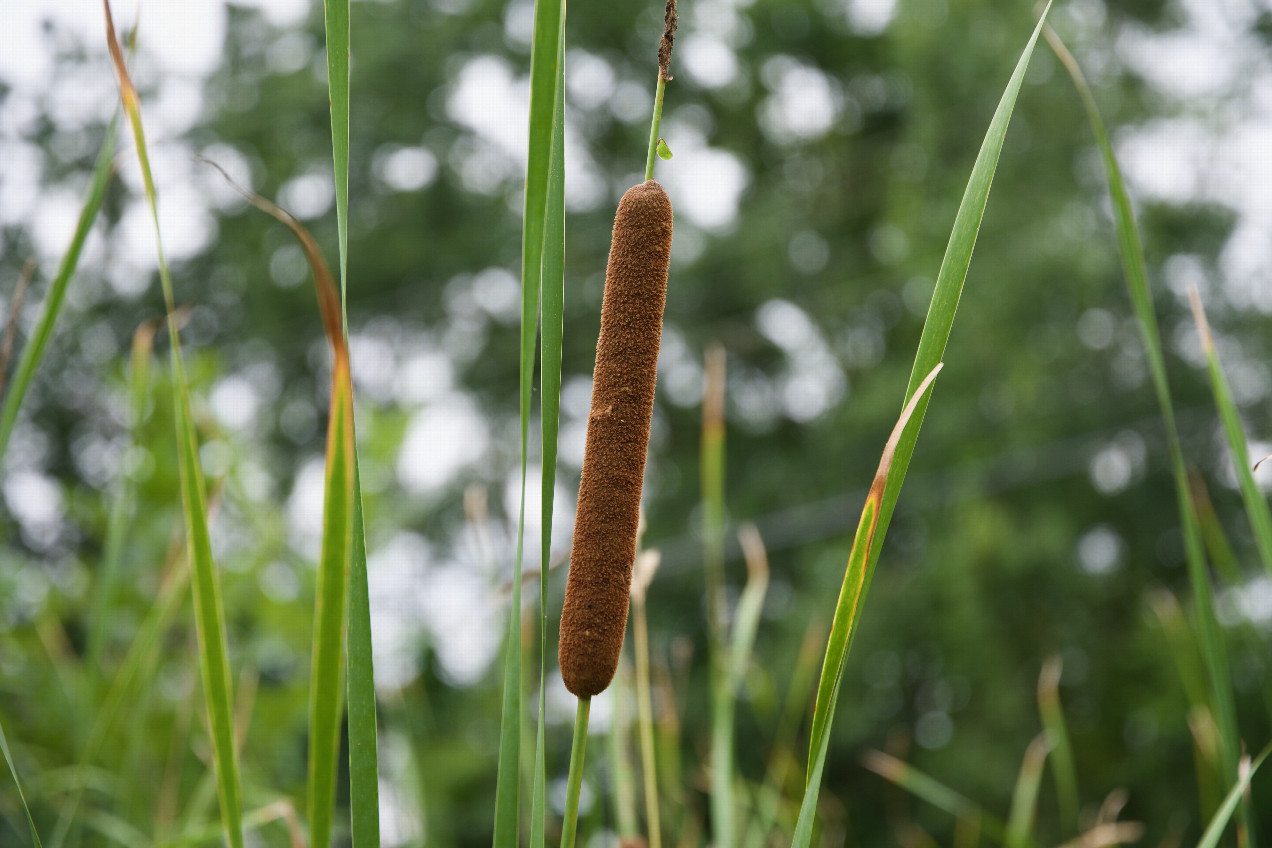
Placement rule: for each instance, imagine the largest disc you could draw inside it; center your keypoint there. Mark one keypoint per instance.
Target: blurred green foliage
(1038, 513)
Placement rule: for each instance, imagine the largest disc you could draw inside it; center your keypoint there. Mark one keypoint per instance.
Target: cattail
(596, 592)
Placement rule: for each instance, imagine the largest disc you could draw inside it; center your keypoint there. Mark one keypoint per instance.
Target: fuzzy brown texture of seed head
(596, 592)
(671, 20)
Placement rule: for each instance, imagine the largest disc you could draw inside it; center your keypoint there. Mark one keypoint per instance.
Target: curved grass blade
(1131, 250)
(1214, 831)
(214, 664)
(341, 539)
(13, 770)
(1052, 714)
(750, 604)
(844, 625)
(1255, 503)
(935, 793)
(33, 353)
(121, 508)
(545, 74)
(1024, 798)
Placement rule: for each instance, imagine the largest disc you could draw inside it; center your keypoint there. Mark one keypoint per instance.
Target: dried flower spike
(596, 592)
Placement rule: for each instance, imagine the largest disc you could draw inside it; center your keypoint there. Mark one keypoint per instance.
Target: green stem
(653, 128)
(571, 822)
(644, 703)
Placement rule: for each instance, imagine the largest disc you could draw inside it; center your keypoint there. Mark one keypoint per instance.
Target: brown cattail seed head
(596, 591)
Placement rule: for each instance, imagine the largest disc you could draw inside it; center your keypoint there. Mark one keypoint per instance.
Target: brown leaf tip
(670, 22)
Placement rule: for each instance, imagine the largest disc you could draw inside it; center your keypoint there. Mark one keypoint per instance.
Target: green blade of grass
(364, 766)
(552, 284)
(121, 508)
(935, 793)
(949, 283)
(1212, 533)
(1024, 798)
(326, 694)
(33, 353)
(734, 660)
(17, 781)
(1134, 268)
(1255, 503)
(1215, 829)
(336, 24)
(364, 757)
(623, 796)
(844, 625)
(343, 552)
(1052, 714)
(646, 564)
(214, 664)
(711, 473)
(750, 604)
(936, 332)
(545, 73)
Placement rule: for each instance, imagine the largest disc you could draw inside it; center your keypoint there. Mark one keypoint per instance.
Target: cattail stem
(671, 19)
(570, 825)
(653, 127)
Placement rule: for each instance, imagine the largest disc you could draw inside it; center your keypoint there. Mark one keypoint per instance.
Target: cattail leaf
(1131, 250)
(882, 501)
(326, 693)
(336, 25)
(553, 299)
(844, 625)
(214, 665)
(364, 783)
(949, 281)
(545, 79)
(342, 590)
(1251, 495)
(364, 760)
(33, 352)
